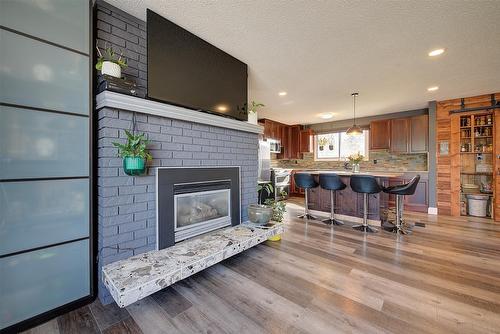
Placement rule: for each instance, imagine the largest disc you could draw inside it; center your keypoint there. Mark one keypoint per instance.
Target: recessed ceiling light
(326, 115)
(436, 52)
(282, 93)
(433, 88)
(222, 108)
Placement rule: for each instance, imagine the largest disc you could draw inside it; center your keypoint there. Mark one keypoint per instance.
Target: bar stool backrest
(331, 181)
(304, 180)
(365, 184)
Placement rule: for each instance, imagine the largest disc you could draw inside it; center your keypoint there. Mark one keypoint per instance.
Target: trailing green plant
(110, 55)
(136, 146)
(279, 208)
(268, 188)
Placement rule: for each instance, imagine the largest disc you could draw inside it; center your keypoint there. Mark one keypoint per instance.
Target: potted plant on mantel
(252, 112)
(134, 153)
(109, 63)
(355, 159)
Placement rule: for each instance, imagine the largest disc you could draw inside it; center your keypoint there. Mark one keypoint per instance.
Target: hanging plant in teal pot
(134, 153)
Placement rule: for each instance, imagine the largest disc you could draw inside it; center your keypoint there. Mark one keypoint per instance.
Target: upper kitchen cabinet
(272, 129)
(380, 134)
(400, 135)
(305, 141)
(419, 134)
(410, 135)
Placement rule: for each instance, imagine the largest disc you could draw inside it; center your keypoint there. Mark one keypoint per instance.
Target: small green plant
(268, 188)
(254, 106)
(110, 55)
(135, 146)
(279, 208)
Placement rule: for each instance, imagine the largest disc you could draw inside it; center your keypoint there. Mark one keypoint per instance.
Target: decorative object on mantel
(252, 112)
(355, 159)
(354, 130)
(119, 85)
(109, 63)
(134, 153)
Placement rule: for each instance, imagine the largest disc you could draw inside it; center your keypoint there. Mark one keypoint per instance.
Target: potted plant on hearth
(279, 209)
(252, 112)
(134, 153)
(261, 213)
(109, 63)
(355, 159)
(322, 142)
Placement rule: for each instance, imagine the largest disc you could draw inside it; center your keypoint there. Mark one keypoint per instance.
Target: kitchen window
(338, 145)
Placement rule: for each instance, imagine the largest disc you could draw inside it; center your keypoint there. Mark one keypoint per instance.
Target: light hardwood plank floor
(443, 278)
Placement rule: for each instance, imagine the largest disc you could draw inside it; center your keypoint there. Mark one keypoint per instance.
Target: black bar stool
(365, 184)
(333, 183)
(401, 191)
(305, 181)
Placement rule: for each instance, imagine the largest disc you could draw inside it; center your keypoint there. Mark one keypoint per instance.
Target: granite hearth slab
(139, 276)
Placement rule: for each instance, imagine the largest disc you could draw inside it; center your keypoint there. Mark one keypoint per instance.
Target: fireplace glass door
(200, 212)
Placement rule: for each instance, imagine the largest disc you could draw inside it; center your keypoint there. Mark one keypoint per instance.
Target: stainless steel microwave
(275, 146)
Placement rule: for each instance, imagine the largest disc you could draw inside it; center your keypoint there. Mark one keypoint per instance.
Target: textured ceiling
(321, 51)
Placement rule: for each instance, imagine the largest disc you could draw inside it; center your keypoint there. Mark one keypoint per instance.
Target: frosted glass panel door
(45, 158)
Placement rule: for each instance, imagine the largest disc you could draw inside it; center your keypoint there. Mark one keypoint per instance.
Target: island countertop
(348, 173)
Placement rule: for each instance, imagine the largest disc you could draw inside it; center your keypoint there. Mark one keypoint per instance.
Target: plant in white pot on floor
(110, 63)
(261, 213)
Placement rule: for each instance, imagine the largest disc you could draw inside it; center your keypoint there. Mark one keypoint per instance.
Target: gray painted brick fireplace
(126, 205)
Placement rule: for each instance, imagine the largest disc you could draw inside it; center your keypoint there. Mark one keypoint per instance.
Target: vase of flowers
(354, 160)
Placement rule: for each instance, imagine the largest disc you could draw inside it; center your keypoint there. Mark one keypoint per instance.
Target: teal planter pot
(134, 165)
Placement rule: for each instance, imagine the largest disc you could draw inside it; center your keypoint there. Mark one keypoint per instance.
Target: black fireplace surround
(169, 180)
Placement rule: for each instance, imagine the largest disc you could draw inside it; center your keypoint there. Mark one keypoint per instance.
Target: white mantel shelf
(114, 100)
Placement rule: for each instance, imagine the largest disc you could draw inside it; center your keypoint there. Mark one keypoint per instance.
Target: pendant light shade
(354, 130)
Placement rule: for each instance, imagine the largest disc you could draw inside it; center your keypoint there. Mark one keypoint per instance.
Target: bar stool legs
(365, 227)
(399, 226)
(332, 220)
(306, 214)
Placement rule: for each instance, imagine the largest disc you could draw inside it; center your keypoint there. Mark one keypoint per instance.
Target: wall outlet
(375, 161)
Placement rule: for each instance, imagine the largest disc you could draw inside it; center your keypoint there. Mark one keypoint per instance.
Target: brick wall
(126, 205)
(124, 33)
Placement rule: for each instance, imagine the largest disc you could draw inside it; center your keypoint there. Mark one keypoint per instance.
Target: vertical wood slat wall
(448, 166)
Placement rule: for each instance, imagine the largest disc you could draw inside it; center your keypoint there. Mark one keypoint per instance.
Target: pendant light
(354, 130)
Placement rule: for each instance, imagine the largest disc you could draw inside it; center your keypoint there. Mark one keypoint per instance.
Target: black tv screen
(187, 71)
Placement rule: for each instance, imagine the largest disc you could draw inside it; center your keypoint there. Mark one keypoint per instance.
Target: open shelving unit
(476, 157)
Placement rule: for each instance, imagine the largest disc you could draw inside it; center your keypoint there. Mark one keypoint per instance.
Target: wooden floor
(444, 278)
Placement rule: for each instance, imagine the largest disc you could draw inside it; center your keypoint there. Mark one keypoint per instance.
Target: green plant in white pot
(110, 63)
(134, 153)
(252, 112)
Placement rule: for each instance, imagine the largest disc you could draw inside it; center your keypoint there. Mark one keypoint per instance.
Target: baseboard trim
(432, 211)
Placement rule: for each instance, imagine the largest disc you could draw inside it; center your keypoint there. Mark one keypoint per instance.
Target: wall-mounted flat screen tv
(187, 71)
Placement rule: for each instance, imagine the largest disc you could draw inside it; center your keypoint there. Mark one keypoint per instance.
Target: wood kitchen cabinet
(305, 141)
(380, 137)
(419, 134)
(410, 135)
(399, 135)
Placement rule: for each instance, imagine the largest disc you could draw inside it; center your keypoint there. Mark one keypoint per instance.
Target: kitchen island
(348, 204)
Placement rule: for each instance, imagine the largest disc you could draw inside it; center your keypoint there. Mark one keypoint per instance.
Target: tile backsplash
(386, 161)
